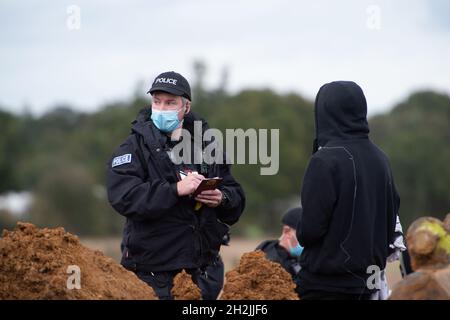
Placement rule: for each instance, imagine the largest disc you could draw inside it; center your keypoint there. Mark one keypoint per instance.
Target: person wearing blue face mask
(286, 250)
(166, 120)
(167, 229)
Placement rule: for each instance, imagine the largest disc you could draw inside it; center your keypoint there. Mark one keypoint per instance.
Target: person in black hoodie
(349, 200)
(167, 230)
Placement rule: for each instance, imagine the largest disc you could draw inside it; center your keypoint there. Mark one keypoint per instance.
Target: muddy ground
(53, 264)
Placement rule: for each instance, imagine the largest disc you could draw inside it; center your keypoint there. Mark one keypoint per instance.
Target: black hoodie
(348, 196)
(162, 231)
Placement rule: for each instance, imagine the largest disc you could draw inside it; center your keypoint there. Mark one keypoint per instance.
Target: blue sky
(284, 45)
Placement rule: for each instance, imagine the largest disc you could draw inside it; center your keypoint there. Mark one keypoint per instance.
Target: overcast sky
(390, 48)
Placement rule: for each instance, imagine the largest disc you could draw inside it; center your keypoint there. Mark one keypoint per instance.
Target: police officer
(286, 250)
(166, 229)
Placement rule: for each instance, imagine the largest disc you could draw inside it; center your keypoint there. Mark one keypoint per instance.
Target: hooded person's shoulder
(327, 157)
(381, 155)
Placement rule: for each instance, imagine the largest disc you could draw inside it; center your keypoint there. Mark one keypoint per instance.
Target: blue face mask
(166, 120)
(296, 251)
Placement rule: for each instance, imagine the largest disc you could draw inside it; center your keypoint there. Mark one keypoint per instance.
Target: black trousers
(209, 280)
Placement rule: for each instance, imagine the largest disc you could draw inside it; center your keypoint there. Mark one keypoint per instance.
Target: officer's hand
(212, 198)
(189, 184)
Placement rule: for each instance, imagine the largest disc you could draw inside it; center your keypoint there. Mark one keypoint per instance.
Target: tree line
(61, 156)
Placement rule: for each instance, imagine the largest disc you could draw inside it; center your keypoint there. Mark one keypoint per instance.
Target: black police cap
(173, 83)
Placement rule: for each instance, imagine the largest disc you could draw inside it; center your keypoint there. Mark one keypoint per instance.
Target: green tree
(69, 197)
(416, 136)
(11, 149)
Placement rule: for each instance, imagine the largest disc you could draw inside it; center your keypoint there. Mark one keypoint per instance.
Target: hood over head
(340, 113)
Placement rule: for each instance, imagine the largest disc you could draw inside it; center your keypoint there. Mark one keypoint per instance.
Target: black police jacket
(162, 231)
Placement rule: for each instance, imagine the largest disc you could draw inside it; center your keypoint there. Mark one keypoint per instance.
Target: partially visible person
(286, 250)
(349, 200)
(397, 251)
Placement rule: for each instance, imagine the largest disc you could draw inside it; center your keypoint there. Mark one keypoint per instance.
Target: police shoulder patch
(117, 161)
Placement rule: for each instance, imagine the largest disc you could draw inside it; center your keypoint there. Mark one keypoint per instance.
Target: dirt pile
(429, 248)
(52, 264)
(429, 242)
(425, 284)
(257, 278)
(184, 288)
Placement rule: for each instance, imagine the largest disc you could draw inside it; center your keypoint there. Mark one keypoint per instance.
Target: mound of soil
(257, 278)
(429, 242)
(425, 284)
(429, 247)
(184, 288)
(52, 264)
